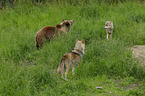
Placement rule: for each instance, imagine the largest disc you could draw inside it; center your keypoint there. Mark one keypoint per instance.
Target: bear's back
(48, 31)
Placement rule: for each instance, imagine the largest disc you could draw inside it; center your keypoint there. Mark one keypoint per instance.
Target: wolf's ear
(62, 20)
(77, 40)
(83, 41)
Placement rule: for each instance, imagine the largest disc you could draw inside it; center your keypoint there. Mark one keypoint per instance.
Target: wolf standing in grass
(71, 59)
(109, 28)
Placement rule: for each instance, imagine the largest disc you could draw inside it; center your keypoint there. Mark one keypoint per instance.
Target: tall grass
(28, 71)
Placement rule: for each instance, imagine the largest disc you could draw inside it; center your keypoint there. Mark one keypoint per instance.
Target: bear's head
(66, 24)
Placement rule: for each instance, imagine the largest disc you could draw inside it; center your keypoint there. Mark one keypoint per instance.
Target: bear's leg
(39, 43)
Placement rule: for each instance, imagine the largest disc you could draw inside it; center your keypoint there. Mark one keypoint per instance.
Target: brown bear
(49, 32)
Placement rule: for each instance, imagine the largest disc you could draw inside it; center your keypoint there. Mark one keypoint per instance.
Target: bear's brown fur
(48, 32)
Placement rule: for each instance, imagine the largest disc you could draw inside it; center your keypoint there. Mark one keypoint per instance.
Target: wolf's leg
(110, 35)
(107, 36)
(68, 66)
(62, 71)
(67, 70)
(62, 74)
(73, 68)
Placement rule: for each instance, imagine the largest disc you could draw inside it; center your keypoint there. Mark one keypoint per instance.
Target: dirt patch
(139, 52)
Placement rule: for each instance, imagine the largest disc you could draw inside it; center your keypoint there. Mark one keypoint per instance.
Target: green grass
(109, 64)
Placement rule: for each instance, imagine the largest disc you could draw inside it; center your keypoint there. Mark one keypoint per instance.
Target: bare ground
(139, 52)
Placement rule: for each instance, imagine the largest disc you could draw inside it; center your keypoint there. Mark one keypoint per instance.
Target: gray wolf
(109, 28)
(71, 59)
(48, 32)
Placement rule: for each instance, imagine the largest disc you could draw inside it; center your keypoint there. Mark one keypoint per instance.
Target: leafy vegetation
(106, 63)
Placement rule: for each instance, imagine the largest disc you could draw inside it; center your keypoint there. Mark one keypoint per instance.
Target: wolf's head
(108, 25)
(80, 45)
(66, 24)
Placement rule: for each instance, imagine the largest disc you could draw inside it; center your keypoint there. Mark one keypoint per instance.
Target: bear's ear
(62, 20)
(77, 40)
(83, 41)
(71, 21)
(58, 26)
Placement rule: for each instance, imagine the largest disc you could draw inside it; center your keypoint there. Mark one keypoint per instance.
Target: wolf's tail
(61, 65)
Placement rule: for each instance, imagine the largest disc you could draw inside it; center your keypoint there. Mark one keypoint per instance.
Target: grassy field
(26, 71)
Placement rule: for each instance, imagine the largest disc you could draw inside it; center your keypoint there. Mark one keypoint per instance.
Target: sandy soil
(139, 52)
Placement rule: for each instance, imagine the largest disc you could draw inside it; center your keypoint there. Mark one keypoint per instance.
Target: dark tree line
(3, 3)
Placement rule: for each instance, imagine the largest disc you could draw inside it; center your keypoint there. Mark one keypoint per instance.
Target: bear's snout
(67, 24)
